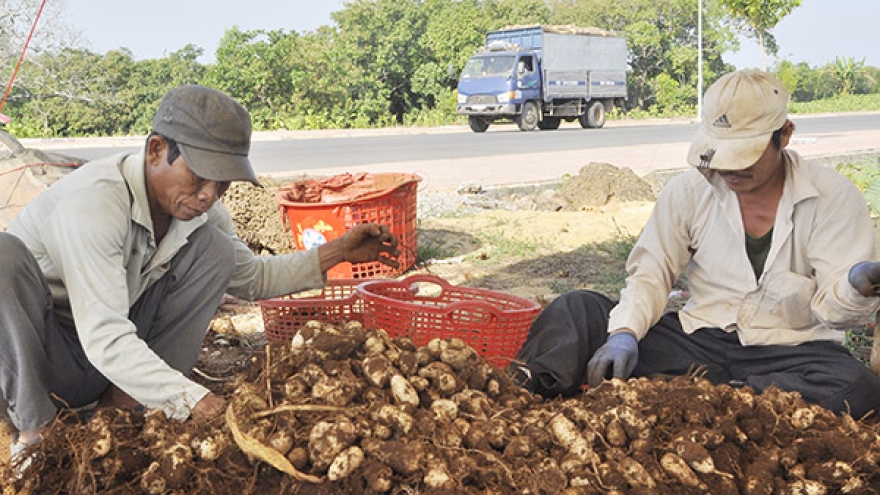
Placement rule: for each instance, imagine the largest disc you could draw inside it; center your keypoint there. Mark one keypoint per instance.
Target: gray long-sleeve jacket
(92, 236)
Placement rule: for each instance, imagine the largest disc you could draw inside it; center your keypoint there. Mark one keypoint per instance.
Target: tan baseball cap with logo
(741, 111)
(212, 130)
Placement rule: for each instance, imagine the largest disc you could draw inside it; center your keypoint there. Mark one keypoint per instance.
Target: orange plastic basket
(337, 304)
(393, 202)
(424, 307)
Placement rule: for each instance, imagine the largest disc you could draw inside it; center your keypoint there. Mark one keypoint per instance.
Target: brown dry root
(351, 410)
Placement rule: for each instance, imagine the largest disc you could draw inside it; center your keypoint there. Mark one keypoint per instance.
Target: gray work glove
(620, 353)
(865, 277)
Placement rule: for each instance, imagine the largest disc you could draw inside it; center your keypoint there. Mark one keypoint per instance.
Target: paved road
(447, 157)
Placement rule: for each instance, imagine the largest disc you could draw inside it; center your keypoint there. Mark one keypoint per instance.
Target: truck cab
(495, 84)
(538, 76)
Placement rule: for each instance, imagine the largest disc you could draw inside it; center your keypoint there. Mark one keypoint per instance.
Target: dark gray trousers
(570, 329)
(42, 364)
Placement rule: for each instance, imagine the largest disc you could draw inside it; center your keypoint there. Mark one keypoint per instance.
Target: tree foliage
(758, 17)
(662, 43)
(381, 62)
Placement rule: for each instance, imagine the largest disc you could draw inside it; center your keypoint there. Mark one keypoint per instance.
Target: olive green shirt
(757, 249)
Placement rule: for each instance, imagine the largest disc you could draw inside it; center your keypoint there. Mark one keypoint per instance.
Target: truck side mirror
(451, 72)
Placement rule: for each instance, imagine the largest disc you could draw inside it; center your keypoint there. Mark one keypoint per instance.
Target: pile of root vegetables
(351, 410)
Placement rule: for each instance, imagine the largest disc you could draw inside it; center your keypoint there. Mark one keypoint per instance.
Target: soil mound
(598, 184)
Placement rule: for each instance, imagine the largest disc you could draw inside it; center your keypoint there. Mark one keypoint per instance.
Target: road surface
(449, 157)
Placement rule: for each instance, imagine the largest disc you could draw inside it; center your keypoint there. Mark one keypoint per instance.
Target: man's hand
(620, 353)
(865, 277)
(363, 243)
(210, 406)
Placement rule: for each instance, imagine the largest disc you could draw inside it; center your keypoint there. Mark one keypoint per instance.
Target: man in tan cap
(109, 279)
(774, 249)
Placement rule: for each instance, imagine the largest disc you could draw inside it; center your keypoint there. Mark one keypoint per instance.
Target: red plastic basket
(393, 202)
(338, 303)
(493, 323)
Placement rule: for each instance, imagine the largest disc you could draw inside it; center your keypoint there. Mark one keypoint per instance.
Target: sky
(155, 28)
(816, 32)
(819, 31)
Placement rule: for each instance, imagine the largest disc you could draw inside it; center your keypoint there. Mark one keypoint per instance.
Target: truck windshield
(490, 66)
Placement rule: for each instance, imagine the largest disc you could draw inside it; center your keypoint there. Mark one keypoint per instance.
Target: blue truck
(538, 76)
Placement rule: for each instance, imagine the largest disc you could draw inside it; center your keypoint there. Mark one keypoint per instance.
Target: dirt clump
(598, 184)
(352, 410)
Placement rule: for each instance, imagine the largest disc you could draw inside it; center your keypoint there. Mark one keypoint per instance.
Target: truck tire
(528, 119)
(477, 124)
(595, 116)
(549, 123)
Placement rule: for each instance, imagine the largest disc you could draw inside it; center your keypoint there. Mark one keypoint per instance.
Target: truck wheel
(477, 124)
(528, 119)
(595, 116)
(549, 123)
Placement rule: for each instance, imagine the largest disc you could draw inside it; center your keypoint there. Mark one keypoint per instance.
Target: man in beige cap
(774, 249)
(109, 279)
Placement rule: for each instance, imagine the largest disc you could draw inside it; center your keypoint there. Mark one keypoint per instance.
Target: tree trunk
(763, 51)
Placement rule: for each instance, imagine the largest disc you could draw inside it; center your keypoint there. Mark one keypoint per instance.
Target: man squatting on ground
(774, 249)
(110, 278)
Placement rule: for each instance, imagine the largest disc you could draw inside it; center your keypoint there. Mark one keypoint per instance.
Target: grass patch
(842, 103)
(865, 174)
(498, 247)
(430, 250)
(622, 244)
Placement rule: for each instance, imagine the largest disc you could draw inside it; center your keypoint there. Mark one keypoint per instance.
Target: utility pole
(699, 59)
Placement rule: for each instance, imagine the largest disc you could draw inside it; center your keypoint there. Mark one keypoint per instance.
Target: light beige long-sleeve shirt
(92, 236)
(822, 228)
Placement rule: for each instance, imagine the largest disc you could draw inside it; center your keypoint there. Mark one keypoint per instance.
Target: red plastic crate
(337, 303)
(392, 202)
(493, 323)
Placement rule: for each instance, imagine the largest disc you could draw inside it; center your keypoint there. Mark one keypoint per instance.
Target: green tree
(322, 74)
(382, 39)
(72, 92)
(848, 74)
(50, 35)
(757, 17)
(453, 31)
(813, 84)
(255, 68)
(872, 76)
(81, 93)
(661, 40)
(504, 13)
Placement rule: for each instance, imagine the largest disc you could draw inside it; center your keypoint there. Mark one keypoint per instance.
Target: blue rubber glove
(865, 278)
(620, 353)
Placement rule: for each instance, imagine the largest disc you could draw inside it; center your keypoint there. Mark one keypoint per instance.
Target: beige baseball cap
(212, 130)
(741, 111)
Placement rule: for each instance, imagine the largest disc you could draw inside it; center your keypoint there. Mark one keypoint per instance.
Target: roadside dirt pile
(598, 184)
(351, 410)
(257, 216)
